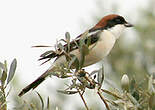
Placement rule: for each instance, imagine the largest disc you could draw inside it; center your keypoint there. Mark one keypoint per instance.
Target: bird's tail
(34, 84)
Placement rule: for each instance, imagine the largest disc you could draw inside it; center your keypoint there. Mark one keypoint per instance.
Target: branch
(101, 96)
(83, 100)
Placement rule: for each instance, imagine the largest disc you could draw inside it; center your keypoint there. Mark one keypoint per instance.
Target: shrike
(102, 39)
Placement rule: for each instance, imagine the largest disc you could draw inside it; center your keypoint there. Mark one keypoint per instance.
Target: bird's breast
(101, 48)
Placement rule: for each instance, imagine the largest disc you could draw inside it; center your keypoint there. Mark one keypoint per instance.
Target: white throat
(117, 30)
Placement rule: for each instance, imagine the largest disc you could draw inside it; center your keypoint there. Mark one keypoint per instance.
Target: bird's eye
(117, 20)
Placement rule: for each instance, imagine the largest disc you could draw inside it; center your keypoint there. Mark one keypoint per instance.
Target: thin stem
(110, 93)
(91, 82)
(83, 100)
(101, 96)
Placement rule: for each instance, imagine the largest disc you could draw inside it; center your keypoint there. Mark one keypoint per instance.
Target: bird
(102, 39)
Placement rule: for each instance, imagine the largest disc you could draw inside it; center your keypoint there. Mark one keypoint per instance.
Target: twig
(110, 93)
(91, 82)
(83, 100)
(101, 96)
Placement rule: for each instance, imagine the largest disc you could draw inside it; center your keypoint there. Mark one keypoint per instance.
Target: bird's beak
(128, 25)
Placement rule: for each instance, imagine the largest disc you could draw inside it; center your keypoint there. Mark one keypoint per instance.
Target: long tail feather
(34, 84)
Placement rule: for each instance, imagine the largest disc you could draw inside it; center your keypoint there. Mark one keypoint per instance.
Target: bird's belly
(98, 53)
(101, 48)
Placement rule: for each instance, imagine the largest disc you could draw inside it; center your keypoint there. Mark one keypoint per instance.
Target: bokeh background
(33, 22)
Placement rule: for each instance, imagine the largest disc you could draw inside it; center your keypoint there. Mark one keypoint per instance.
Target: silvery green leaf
(133, 100)
(132, 84)
(0, 73)
(150, 85)
(47, 53)
(67, 36)
(88, 41)
(81, 42)
(5, 65)
(84, 50)
(67, 92)
(48, 103)
(62, 40)
(100, 76)
(60, 46)
(3, 78)
(74, 62)
(64, 76)
(12, 70)
(84, 35)
(152, 101)
(42, 102)
(2, 66)
(40, 46)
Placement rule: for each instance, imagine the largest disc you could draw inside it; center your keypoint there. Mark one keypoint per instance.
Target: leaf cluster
(5, 78)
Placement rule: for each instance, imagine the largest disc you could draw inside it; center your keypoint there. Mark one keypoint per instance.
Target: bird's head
(114, 23)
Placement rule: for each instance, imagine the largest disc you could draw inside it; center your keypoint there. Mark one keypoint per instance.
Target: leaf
(62, 40)
(150, 85)
(5, 65)
(100, 77)
(67, 37)
(0, 73)
(42, 102)
(12, 70)
(4, 72)
(60, 46)
(152, 101)
(40, 46)
(133, 100)
(67, 92)
(84, 50)
(2, 66)
(88, 41)
(64, 76)
(74, 62)
(48, 103)
(3, 78)
(85, 34)
(47, 53)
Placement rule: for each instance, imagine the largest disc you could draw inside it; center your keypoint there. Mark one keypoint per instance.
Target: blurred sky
(24, 23)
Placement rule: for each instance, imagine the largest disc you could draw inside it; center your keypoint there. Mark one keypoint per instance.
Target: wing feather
(92, 38)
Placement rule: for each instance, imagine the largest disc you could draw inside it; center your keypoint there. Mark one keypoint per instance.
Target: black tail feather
(34, 84)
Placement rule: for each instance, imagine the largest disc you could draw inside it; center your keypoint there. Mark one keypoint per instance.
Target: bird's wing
(90, 38)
